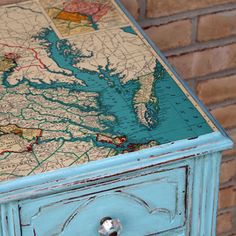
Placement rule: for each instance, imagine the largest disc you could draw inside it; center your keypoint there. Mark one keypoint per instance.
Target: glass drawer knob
(110, 227)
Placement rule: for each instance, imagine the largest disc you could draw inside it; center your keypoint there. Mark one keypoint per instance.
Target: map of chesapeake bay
(79, 83)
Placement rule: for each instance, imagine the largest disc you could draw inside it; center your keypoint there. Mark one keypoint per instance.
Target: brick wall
(199, 39)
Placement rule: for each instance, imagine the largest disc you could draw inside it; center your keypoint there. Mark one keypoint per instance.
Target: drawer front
(145, 203)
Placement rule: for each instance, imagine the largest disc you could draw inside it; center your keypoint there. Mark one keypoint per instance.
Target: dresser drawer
(145, 203)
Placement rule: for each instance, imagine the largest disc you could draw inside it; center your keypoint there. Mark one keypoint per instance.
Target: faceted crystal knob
(110, 227)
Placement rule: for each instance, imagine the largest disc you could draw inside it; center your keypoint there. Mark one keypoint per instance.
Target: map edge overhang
(71, 177)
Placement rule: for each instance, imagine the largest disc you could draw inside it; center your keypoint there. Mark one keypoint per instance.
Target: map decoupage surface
(78, 82)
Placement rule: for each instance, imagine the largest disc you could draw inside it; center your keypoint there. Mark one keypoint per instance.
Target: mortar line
(228, 159)
(145, 23)
(227, 185)
(216, 75)
(225, 210)
(194, 29)
(142, 9)
(199, 46)
(222, 104)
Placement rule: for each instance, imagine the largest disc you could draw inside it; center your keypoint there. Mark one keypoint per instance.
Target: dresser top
(79, 82)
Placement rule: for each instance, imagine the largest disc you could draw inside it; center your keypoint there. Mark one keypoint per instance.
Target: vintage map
(79, 83)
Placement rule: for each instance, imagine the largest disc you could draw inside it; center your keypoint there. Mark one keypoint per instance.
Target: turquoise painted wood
(144, 198)
(163, 178)
(178, 198)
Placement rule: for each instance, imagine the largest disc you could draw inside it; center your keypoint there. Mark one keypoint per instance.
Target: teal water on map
(173, 116)
(129, 29)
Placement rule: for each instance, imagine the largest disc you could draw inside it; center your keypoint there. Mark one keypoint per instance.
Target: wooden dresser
(98, 135)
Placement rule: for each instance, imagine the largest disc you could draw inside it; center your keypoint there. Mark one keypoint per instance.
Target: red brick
(205, 62)
(169, 7)
(173, 35)
(224, 223)
(228, 171)
(226, 116)
(216, 26)
(132, 6)
(217, 90)
(227, 197)
(233, 151)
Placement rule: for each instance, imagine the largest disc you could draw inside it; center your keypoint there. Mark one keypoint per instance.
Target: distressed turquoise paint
(141, 206)
(158, 189)
(205, 194)
(41, 184)
(10, 220)
(202, 189)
